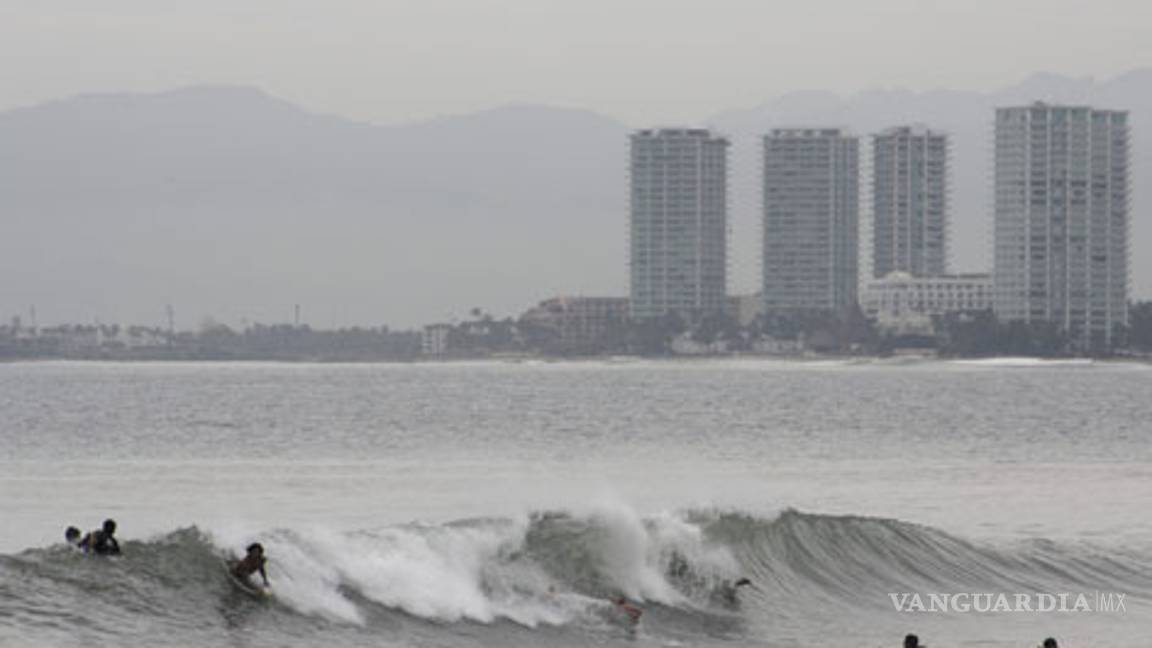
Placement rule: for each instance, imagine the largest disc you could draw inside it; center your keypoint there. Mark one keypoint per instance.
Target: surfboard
(245, 586)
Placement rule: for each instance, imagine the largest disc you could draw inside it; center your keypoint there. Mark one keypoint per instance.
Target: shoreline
(890, 360)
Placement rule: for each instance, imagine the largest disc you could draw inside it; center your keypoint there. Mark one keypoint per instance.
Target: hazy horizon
(238, 226)
(705, 120)
(644, 61)
(218, 169)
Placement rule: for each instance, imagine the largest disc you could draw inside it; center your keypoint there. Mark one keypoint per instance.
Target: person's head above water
(256, 548)
(109, 526)
(72, 535)
(1050, 643)
(912, 641)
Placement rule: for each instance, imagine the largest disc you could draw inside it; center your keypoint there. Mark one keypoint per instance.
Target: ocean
(508, 504)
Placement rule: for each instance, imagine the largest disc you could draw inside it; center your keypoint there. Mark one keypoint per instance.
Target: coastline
(896, 359)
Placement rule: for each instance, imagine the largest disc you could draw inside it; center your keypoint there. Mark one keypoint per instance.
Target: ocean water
(505, 504)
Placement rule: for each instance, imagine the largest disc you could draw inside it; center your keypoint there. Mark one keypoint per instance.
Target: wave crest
(559, 567)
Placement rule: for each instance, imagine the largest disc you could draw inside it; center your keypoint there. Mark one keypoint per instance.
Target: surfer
(1049, 643)
(72, 536)
(102, 541)
(912, 641)
(729, 593)
(631, 611)
(251, 564)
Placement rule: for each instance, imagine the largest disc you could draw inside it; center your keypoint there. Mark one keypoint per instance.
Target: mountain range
(229, 203)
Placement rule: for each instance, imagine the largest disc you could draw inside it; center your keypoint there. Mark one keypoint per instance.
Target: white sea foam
(1008, 361)
(475, 571)
(446, 573)
(627, 555)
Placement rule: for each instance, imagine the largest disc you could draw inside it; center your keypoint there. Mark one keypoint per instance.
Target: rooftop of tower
(820, 131)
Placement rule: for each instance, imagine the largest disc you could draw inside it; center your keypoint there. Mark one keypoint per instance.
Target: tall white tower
(910, 202)
(811, 219)
(679, 222)
(1061, 219)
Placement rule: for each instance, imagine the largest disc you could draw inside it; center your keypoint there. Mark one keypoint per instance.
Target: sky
(642, 61)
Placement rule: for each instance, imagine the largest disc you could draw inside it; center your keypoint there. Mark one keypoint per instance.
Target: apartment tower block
(910, 202)
(811, 219)
(1061, 219)
(679, 222)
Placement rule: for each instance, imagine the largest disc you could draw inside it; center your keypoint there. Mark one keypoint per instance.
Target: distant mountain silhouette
(227, 202)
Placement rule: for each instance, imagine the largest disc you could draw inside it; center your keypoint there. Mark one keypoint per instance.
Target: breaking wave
(549, 572)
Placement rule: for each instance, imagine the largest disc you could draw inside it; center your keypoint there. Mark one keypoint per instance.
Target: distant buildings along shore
(1060, 248)
(1061, 223)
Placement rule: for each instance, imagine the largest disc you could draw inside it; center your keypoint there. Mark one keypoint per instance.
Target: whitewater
(508, 504)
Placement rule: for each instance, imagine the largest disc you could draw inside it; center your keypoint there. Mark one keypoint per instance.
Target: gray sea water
(503, 504)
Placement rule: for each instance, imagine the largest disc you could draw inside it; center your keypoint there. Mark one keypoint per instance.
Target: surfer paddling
(631, 611)
(252, 563)
(728, 594)
(102, 541)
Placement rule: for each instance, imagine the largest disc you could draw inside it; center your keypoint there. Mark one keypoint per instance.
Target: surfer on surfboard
(632, 612)
(728, 593)
(102, 541)
(251, 564)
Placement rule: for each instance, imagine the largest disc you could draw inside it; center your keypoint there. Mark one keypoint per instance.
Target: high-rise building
(910, 202)
(1061, 219)
(679, 222)
(811, 216)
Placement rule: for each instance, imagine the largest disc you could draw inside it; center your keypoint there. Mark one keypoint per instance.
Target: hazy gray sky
(640, 60)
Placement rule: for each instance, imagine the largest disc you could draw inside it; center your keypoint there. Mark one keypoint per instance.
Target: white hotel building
(902, 303)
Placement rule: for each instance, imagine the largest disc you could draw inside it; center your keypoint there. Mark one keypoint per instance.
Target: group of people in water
(726, 594)
(912, 641)
(103, 542)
